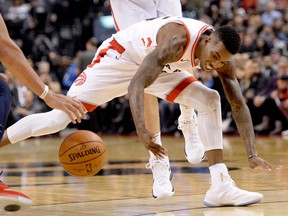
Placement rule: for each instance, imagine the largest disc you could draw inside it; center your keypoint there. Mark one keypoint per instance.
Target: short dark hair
(283, 77)
(230, 38)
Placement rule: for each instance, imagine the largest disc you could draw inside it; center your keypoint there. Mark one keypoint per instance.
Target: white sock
(158, 141)
(218, 172)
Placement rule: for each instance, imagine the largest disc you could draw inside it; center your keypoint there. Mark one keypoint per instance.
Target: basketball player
(13, 59)
(128, 12)
(151, 57)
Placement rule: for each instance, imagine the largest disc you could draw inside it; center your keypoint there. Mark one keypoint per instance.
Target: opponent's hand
(148, 140)
(72, 107)
(258, 162)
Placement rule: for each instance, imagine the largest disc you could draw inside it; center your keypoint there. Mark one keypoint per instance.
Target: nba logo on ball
(82, 153)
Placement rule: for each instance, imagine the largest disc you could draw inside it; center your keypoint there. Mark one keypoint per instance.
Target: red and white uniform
(120, 56)
(118, 59)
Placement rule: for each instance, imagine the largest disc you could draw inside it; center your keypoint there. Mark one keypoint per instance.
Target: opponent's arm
(14, 60)
(241, 114)
(169, 48)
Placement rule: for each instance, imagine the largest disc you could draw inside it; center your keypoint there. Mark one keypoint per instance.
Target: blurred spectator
(270, 14)
(43, 67)
(66, 27)
(86, 56)
(123, 121)
(16, 18)
(276, 121)
(29, 106)
(71, 74)
(262, 46)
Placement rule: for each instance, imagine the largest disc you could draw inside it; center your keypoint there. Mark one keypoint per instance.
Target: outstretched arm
(169, 48)
(14, 60)
(241, 115)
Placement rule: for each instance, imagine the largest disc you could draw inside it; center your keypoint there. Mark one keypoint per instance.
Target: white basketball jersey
(140, 39)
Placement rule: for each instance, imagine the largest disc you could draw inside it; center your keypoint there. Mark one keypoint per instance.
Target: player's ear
(207, 40)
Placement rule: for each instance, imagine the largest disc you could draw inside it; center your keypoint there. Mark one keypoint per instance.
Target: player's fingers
(271, 167)
(160, 151)
(278, 167)
(71, 115)
(78, 110)
(79, 106)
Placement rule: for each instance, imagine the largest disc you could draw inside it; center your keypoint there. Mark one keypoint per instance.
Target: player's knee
(214, 100)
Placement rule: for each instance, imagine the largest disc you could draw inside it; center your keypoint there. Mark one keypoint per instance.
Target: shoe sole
(171, 178)
(240, 204)
(12, 204)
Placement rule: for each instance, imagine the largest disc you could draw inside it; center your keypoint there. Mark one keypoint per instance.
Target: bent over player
(151, 57)
(126, 13)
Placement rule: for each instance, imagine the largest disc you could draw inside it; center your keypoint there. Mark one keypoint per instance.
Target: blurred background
(60, 38)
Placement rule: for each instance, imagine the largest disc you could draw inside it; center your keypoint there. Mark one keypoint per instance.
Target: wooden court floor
(123, 186)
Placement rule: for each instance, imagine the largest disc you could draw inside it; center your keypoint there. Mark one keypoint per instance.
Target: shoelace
(160, 170)
(187, 124)
(191, 126)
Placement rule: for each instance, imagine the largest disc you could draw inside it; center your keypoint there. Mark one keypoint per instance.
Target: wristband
(252, 156)
(45, 92)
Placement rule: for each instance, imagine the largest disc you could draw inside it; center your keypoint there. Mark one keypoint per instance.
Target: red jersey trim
(89, 107)
(113, 45)
(179, 88)
(193, 50)
(188, 40)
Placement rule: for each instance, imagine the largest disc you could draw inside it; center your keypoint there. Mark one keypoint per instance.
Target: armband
(45, 92)
(252, 156)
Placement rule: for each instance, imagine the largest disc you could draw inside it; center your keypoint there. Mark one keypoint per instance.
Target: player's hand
(148, 140)
(72, 107)
(258, 162)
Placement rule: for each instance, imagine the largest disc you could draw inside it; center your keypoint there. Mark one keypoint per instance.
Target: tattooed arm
(170, 46)
(241, 114)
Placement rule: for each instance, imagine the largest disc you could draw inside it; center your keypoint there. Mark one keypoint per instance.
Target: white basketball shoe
(227, 194)
(162, 176)
(194, 149)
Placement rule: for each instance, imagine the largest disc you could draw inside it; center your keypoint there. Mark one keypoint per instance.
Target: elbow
(131, 89)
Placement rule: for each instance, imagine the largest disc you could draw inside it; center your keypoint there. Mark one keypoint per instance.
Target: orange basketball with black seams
(82, 153)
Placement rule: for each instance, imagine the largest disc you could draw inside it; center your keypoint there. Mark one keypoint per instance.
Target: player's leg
(168, 8)
(9, 200)
(162, 175)
(223, 190)
(188, 124)
(35, 125)
(192, 93)
(126, 13)
(5, 98)
(194, 150)
(129, 12)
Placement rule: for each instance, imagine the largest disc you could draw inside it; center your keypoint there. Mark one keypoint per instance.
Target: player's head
(219, 47)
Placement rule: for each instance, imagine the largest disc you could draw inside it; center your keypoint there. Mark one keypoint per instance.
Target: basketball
(82, 153)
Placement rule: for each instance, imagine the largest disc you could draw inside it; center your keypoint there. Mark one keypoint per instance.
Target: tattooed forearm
(244, 125)
(240, 111)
